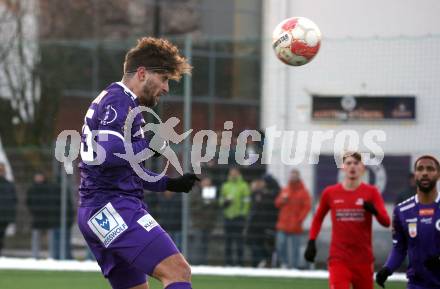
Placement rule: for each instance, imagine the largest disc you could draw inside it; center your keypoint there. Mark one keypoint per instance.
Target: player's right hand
(310, 252)
(382, 276)
(182, 184)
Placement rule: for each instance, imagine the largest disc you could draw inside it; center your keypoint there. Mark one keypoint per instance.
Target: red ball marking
(302, 49)
(290, 24)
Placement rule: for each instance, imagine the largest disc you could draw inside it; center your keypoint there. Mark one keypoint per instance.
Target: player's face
(353, 168)
(294, 177)
(39, 178)
(426, 175)
(205, 183)
(234, 174)
(154, 86)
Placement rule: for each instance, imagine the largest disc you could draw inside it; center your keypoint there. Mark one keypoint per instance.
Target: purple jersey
(416, 232)
(106, 116)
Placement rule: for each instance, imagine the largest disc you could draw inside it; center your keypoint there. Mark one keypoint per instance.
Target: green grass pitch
(15, 279)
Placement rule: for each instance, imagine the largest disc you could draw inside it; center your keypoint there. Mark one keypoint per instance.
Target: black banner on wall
(363, 107)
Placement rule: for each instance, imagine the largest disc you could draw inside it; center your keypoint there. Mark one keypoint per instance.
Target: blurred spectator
(170, 215)
(44, 203)
(261, 223)
(294, 204)
(203, 219)
(8, 203)
(409, 191)
(235, 201)
(271, 184)
(273, 189)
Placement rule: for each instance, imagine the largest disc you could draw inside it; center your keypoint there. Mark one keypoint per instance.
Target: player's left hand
(382, 276)
(433, 263)
(182, 184)
(369, 207)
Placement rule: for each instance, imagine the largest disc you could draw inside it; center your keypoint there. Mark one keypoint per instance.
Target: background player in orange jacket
(294, 204)
(352, 204)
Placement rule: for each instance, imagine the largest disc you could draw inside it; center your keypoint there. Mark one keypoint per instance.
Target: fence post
(187, 143)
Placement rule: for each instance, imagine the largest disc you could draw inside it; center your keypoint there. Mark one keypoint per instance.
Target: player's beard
(150, 94)
(426, 188)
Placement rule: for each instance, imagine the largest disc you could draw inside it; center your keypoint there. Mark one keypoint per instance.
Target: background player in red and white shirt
(352, 204)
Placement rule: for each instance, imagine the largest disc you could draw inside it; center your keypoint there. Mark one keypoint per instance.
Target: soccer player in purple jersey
(126, 240)
(416, 231)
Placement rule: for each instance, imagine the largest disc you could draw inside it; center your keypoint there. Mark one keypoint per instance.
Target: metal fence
(44, 224)
(224, 87)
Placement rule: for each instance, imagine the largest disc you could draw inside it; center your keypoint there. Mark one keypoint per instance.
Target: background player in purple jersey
(416, 231)
(126, 240)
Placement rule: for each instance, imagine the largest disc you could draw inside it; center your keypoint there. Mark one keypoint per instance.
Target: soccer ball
(296, 41)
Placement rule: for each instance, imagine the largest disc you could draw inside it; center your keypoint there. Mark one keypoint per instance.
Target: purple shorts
(126, 240)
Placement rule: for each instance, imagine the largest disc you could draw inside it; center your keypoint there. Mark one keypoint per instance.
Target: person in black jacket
(204, 212)
(44, 203)
(8, 203)
(260, 225)
(170, 215)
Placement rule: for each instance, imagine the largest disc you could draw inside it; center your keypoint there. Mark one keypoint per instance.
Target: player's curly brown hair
(157, 54)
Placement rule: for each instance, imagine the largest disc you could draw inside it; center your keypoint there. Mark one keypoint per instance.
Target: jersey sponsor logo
(107, 224)
(412, 230)
(426, 212)
(148, 222)
(437, 225)
(353, 215)
(110, 115)
(426, 220)
(413, 220)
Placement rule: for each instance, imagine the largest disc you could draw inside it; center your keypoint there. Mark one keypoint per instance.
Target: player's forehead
(425, 162)
(350, 160)
(163, 75)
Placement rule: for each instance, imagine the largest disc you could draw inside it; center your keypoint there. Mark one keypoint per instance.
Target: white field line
(92, 266)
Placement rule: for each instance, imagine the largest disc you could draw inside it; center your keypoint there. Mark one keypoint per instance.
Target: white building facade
(369, 49)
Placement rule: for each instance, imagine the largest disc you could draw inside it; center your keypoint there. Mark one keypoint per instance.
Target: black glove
(382, 276)
(369, 207)
(433, 263)
(183, 183)
(310, 252)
